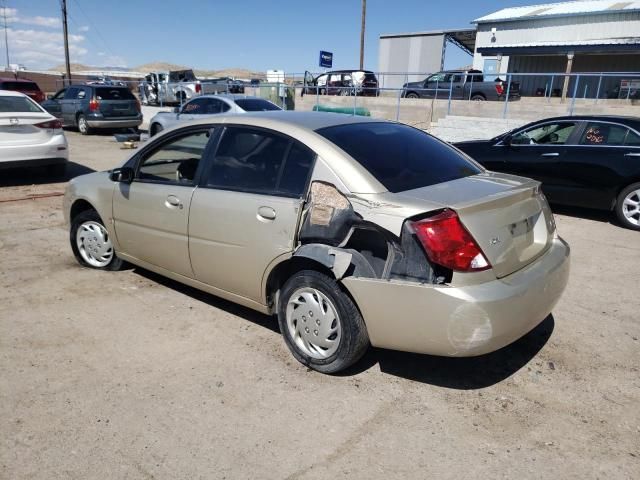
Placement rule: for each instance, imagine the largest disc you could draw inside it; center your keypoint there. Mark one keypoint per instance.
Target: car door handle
(173, 202)
(266, 213)
(550, 154)
(632, 154)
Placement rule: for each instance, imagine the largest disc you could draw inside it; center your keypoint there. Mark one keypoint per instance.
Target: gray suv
(90, 107)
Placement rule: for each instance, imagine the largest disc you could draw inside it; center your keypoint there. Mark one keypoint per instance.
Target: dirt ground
(128, 375)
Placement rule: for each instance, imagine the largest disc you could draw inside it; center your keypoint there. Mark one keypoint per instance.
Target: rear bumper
(461, 321)
(52, 152)
(116, 122)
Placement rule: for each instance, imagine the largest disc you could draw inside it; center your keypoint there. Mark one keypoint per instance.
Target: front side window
(547, 134)
(59, 95)
(398, 156)
(603, 134)
(175, 161)
(258, 161)
(436, 77)
(71, 93)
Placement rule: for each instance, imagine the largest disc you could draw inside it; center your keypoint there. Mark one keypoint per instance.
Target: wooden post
(565, 86)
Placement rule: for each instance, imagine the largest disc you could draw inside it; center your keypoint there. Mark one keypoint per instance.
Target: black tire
(83, 126)
(354, 339)
(620, 207)
(116, 263)
(477, 97)
(155, 129)
(412, 95)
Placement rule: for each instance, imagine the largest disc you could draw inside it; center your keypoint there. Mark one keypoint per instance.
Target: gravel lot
(128, 375)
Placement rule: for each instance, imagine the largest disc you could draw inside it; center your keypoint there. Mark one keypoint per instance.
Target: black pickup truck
(461, 85)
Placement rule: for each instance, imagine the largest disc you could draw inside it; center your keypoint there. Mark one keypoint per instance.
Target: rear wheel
(477, 97)
(83, 126)
(628, 206)
(320, 323)
(91, 242)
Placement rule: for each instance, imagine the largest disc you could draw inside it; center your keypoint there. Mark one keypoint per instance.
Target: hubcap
(94, 244)
(82, 124)
(313, 323)
(631, 207)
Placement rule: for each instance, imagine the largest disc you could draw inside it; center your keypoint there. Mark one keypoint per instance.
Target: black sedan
(585, 161)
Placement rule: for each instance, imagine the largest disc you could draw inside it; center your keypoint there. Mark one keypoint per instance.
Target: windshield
(11, 104)
(400, 157)
(256, 105)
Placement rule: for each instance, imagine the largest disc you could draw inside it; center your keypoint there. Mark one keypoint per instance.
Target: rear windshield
(22, 86)
(10, 104)
(111, 93)
(400, 157)
(256, 105)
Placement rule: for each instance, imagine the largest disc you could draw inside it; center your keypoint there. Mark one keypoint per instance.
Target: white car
(206, 106)
(29, 135)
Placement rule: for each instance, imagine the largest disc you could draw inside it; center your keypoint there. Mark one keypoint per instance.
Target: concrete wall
(411, 53)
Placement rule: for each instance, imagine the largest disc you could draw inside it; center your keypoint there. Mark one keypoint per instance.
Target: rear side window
(11, 104)
(603, 134)
(258, 161)
(22, 86)
(256, 105)
(110, 93)
(400, 157)
(632, 139)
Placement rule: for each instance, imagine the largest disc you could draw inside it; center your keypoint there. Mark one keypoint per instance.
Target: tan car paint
(475, 313)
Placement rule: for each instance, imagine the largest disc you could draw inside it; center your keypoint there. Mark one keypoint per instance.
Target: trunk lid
(508, 216)
(18, 128)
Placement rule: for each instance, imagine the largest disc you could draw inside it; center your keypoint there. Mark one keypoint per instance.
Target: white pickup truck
(176, 86)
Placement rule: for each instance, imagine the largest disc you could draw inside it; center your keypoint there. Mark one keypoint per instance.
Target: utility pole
(364, 15)
(6, 35)
(63, 4)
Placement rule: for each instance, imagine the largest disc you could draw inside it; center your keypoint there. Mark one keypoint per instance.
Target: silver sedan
(29, 135)
(207, 106)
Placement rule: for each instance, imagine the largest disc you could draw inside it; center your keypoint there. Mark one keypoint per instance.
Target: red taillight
(499, 88)
(198, 88)
(94, 105)
(55, 124)
(449, 244)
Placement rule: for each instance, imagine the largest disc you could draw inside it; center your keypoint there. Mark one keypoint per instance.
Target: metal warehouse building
(571, 37)
(568, 37)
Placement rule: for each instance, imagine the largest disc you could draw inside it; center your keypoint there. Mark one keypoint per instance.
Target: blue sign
(326, 59)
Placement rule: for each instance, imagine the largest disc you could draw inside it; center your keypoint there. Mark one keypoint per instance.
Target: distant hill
(164, 66)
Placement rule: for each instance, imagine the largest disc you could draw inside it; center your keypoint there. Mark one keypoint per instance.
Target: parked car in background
(95, 106)
(103, 80)
(29, 135)
(341, 82)
(461, 84)
(303, 215)
(180, 86)
(584, 161)
(209, 105)
(29, 88)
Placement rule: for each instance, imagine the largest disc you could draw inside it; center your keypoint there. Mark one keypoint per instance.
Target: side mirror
(123, 175)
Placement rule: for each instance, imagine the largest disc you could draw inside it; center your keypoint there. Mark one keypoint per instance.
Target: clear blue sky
(215, 34)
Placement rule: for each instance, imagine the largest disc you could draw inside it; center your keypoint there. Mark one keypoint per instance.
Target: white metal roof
(543, 43)
(563, 8)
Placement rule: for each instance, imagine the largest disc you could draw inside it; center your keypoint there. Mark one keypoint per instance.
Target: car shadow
(39, 175)
(467, 373)
(457, 373)
(603, 216)
(253, 316)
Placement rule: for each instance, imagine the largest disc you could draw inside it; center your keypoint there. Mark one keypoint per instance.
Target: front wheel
(412, 95)
(91, 242)
(155, 129)
(320, 323)
(628, 206)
